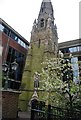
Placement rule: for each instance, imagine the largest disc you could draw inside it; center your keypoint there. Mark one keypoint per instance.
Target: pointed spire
(34, 26)
(35, 21)
(46, 10)
(55, 26)
(47, 7)
(46, 1)
(34, 96)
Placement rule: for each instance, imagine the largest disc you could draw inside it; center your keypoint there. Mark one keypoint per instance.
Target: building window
(71, 50)
(6, 31)
(75, 49)
(79, 58)
(20, 58)
(42, 23)
(23, 44)
(14, 77)
(79, 48)
(12, 35)
(1, 27)
(65, 50)
(75, 67)
(16, 38)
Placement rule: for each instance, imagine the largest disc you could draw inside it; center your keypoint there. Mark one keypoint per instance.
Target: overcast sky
(20, 14)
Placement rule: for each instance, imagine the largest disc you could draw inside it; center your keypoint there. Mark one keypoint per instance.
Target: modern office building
(14, 47)
(73, 47)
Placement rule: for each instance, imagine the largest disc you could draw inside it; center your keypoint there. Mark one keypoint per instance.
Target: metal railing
(39, 111)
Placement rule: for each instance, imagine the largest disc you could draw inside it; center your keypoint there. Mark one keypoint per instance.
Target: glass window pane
(75, 49)
(1, 27)
(75, 67)
(12, 35)
(79, 48)
(16, 38)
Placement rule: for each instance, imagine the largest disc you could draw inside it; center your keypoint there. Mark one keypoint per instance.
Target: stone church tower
(43, 43)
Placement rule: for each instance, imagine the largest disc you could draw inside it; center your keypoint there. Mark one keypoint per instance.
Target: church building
(43, 44)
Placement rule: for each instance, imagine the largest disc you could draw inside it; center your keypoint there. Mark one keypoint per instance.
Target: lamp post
(6, 69)
(9, 97)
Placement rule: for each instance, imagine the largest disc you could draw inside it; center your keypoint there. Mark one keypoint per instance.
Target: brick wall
(0, 105)
(10, 104)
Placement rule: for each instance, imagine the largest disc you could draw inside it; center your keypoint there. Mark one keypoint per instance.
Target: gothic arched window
(42, 23)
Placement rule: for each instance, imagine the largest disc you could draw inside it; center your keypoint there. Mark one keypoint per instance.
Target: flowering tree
(57, 83)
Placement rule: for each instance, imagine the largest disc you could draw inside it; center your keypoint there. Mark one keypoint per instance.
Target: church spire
(46, 10)
(46, 1)
(43, 44)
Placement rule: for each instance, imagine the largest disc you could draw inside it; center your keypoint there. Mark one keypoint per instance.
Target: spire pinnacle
(46, 1)
(46, 8)
(46, 11)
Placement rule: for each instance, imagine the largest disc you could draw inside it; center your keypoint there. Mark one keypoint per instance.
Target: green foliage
(57, 92)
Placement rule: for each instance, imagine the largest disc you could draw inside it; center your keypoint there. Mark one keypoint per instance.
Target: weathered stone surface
(43, 44)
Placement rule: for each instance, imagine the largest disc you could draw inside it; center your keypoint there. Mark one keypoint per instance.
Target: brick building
(14, 46)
